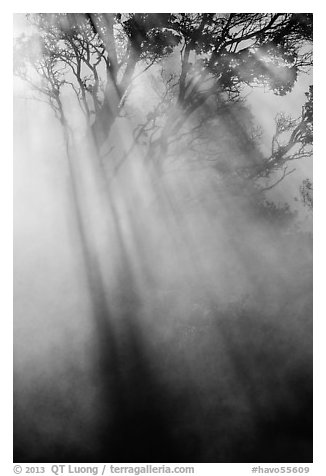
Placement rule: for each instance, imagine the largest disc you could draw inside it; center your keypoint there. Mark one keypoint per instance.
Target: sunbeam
(163, 286)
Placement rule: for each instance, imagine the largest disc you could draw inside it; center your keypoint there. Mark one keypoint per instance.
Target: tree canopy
(214, 57)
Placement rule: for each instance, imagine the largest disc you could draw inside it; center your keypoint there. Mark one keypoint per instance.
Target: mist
(162, 297)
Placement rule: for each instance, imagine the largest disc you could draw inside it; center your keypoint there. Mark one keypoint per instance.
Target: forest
(163, 203)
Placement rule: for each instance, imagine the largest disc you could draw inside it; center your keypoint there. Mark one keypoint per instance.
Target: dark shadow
(135, 408)
(145, 417)
(280, 401)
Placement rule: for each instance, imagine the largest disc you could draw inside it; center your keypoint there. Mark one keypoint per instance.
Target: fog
(161, 313)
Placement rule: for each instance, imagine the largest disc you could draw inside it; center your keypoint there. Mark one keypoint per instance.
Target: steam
(156, 309)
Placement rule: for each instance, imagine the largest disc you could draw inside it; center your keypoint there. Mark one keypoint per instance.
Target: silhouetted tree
(200, 65)
(215, 56)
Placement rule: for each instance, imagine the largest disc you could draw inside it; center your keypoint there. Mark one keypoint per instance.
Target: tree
(291, 141)
(200, 65)
(99, 55)
(196, 69)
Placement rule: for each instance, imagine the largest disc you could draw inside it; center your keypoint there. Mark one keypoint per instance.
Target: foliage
(98, 56)
(306, 192)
